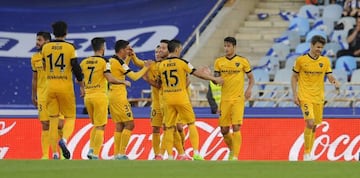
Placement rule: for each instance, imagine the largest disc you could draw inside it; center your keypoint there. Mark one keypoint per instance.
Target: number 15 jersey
(173, 72)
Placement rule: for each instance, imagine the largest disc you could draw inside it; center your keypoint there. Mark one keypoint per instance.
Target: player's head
(157, 53)
(175, 47)
(122, 48)
(229, 46)
(42, 38)
(59, 29)
(317, 44)
(98, 44)
(164, 52)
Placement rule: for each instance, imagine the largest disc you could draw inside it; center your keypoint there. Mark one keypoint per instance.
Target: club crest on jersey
(321, 64)
(237, 64)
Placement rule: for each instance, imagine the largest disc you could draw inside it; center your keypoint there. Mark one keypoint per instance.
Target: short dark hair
(173, 44)
(318, 38)
(97, 43)
(164, 41)
(231, 40)
(59, 28)
(45, 35)
(120, 44)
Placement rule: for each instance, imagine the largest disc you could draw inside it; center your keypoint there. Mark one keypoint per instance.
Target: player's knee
(224, 130)
(156, 130)
(310, 124)
(45, 125)
(236, 127)
(129, 125)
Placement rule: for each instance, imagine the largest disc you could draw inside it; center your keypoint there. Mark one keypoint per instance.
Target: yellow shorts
(173, 112)
(156, 117)
(120, 109)
(312, 111)
(231, 112)
(61, 102)
(97, 107)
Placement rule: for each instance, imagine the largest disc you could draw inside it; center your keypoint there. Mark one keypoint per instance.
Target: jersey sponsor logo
(19, 44)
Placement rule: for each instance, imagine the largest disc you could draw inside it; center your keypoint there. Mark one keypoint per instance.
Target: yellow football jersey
(119, 69)
(153, 75)
(173, 72)
(93, 69)
(58, 55)
(233, 72)
(38, 67)
(311, 77)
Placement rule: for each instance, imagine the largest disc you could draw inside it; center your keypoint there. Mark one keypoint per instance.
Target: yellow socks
(169, 140)
(312, 140)
(236, 143)
(68, 128)
(156, 143)
(125, 137)
(194, 136)
(228, 140)
(178, 143)
(117, 140)
(92, 137)
(98, 141)
(45, 143)
(307, 140)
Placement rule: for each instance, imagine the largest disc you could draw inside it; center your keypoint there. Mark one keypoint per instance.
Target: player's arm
(34, 88)
(333, 80)
(110, 78)
(76, 69)
(205, 73)
(138, 62)
(137, 75)
(251, 84)
(151, 82)
(294, 81)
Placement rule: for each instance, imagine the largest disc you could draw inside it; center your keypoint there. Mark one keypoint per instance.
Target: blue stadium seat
(332, 11)
(347, 63)
(330, 50)
(309, 11)
(300, 24)
(302, 48)
(281, 50)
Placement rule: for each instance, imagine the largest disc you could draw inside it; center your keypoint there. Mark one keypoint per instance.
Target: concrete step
(250, 49)
(283, 5)
(258, 24)
(257, 29)
(272, 18)
(254, 43)
(275, 11)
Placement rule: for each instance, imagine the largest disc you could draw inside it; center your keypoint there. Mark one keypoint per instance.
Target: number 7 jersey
(57, 55)
(173, 72)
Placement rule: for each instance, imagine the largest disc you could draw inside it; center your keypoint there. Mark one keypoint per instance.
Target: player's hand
(148, 63)
(219, 80)
(34, 101)
(82, 91)
(248, 94)
(127, 83)
(296, 100)
(205, 69)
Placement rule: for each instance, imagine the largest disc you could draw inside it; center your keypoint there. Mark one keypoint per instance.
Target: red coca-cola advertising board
(263, 139)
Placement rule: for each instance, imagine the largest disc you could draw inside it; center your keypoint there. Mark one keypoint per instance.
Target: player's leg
(68, 109)
(308, 113)
(128, 120)
(100, 120)
(156, 122)
(224, 123)
(45, 136)
(237, 111)
(186, 113)
(318, 114)
(170, 114)
(115, 112)
(90, 110)
(53, 112)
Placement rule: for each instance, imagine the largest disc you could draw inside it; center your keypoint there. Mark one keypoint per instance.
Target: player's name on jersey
(21, 44)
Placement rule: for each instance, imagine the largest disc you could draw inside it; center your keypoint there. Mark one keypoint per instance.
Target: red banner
(263, 139)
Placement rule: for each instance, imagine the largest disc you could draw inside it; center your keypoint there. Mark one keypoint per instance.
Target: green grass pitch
(176, 169)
